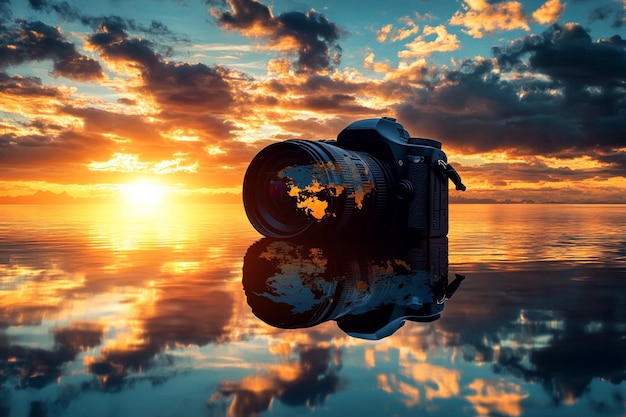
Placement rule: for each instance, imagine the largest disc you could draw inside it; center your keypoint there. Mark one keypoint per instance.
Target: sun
(144, 193)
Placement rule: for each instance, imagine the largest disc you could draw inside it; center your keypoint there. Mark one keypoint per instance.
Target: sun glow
(144, 193)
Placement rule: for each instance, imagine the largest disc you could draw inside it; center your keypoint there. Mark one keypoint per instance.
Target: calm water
(111, 311)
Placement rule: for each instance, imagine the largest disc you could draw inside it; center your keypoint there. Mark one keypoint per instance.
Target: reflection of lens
(304, 188)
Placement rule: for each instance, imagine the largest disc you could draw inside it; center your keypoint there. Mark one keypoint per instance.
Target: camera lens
(301, 188)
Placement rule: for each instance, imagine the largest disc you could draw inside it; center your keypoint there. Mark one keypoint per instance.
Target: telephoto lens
(301, 188)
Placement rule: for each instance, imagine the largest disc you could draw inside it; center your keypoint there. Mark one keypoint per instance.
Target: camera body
(373, 180)
(419, 187)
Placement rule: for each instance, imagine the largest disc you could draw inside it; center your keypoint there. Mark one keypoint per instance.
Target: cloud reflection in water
(151, 314)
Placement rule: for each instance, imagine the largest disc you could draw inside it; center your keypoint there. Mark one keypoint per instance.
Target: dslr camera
(374, 180)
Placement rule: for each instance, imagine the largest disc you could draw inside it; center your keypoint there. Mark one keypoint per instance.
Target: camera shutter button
(405, 190)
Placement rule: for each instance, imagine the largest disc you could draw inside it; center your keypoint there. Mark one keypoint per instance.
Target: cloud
(608, 11)
(568, 55)
(549, 12)
(311, 36)
(579, 109)
(555, 94)
(38, 131)
(36, 41)
(5, 11)
(70, 13)
(558, 93)
(130, 163)
(195, 88)
(413, 68)
(387, 32)
(64, 9)
(54, 129)
(52, 126)
(383, 33)
(421, 47)
(485, 18)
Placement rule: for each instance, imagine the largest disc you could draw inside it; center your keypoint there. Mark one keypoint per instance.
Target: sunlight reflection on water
(104, 309)
(537, 234)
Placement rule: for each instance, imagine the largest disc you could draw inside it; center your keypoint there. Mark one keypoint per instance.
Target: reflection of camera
(368, 289)
(374, 179)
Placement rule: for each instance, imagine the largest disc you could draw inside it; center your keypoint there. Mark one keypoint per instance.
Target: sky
(169, 100)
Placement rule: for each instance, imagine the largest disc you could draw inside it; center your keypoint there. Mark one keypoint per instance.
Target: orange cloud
(383, 33)
(131, 163)
(370, 64)
(199, 125)
(482, 18)
(388, 32)
(549, 12)
(419, 47)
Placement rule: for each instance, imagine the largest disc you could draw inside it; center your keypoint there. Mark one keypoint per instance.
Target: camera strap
(451, 173)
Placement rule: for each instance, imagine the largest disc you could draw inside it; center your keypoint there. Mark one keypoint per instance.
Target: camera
(374, 180)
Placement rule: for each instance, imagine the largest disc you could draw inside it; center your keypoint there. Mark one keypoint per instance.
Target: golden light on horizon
(144, 193)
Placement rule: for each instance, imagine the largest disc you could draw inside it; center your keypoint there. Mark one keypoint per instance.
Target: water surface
(138, 311)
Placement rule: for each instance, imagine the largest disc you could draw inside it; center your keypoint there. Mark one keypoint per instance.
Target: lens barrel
(301, 188)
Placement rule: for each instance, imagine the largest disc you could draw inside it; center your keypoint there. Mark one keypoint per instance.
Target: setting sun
(144, 193)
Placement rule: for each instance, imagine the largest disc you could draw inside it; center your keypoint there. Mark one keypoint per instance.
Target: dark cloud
(600, 13)
(36, 41)
(245, 13)
(573, 106)
(568, 54)
(64, 9)
(334, 103)
(531, 171)
(477, 111)
(309, 35)
(558, 94)
(191, 88)
(70, 13)
(608, 12)
(615, 159)
(26, 87)
(317, 38)
(5, 11)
